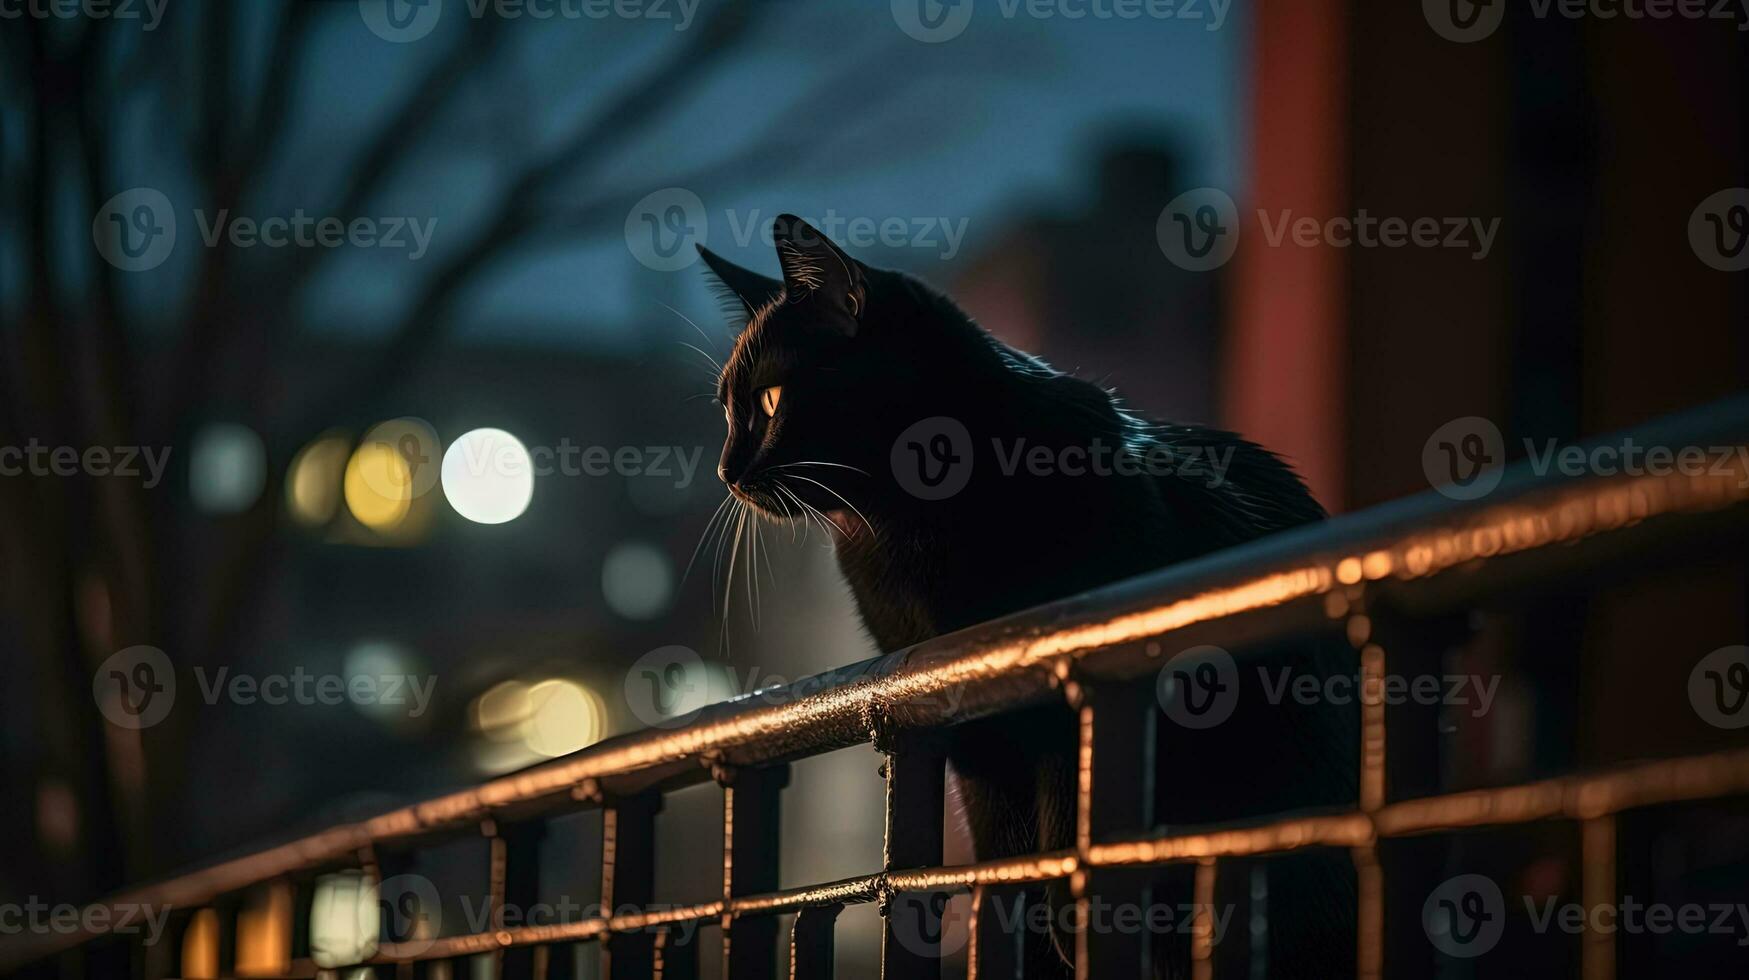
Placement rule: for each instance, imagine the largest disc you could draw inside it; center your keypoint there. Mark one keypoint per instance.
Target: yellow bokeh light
(524, 722)
(312, 488)
(378, 486)
(566, 716)
(499, 713)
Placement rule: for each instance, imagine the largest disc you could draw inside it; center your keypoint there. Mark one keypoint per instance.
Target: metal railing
(1375, 577)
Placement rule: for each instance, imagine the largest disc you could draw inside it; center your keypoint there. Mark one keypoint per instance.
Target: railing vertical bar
(1202, 932)
(1372, 728)
(1597, 844)
(1115, 795)
(916, 772)
(519, 875)
(628, 881)
(1369, 914)
(675, 957)
(811, 943)
(993, 952)
(752, 812)
(1369, 875)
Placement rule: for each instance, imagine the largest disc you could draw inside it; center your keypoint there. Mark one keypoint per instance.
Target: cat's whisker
(813, 514)
(734, 554)
(689, 322)
(713, 362)
(702, 535)
(717, 561)
(858, 513)
(810, 462)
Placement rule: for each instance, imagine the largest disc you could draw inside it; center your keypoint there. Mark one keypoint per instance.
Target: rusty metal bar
(1597, 848)
(628, 878)
(916, 773)
(1116, 771)
(752, 809)
(993, 951)
(1686, 779)
(518, 875)
(1202, 934)
(676, 958)
(811, 946)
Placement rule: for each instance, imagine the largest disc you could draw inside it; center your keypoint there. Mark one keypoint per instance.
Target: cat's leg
(1015, 778)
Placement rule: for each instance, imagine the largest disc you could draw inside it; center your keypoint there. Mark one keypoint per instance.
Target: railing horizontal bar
(1714, 775)
(1547, 521)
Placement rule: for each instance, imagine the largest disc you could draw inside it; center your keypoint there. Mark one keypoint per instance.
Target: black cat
(966, 480)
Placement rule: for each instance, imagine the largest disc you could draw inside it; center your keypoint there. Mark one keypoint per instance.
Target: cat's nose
(732, 466)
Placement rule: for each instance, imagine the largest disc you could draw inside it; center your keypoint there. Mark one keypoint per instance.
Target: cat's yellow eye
(768, 399)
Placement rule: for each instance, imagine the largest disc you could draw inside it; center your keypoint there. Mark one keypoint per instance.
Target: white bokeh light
(488, 476)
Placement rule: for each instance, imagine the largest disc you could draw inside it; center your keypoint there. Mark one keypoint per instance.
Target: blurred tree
(94, 565)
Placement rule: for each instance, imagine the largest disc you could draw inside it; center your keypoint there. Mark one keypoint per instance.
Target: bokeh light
(488, 476)
(520, 722)
(380, 660)
(227, 468)
(312, 485)
(565, 717)
(376, 467)
(344, 920)
(637, 580)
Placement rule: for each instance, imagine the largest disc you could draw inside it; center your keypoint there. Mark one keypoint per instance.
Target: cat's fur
(861, 355)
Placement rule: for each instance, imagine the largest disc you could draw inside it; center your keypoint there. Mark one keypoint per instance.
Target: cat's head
(833, 361)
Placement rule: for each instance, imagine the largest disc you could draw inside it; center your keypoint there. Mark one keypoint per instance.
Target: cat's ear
(750, 288)
(818, 272)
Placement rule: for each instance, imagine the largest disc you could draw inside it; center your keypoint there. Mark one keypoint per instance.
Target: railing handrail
(1397, 548)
